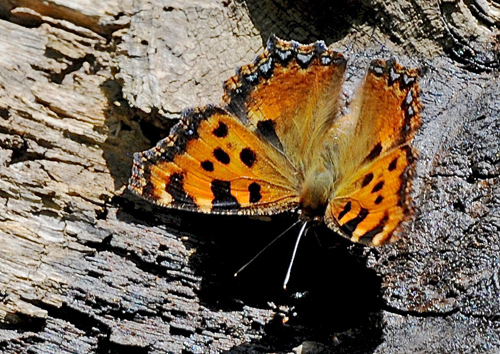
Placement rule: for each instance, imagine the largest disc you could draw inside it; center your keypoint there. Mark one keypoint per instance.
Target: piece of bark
(87, 267)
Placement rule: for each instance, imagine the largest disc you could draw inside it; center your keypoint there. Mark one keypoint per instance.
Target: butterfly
(278, 142)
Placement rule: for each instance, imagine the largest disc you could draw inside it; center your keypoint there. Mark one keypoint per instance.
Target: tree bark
(85, 266)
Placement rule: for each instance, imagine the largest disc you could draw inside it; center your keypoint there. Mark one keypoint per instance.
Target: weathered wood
(87, 267)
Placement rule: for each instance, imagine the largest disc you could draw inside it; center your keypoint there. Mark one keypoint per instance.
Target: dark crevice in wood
(159, 267)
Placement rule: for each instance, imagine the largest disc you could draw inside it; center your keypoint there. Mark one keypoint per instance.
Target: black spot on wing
(254, 190)
(368, 178)
(352, 224)
(378, 187)
(374, 153)
(223, 199)
(247, 156)
(175, 187)
(347, 208)
(393, 164)
(222, 156)
(221, 130)
(379, 199)
(266, 128)
(207, 166)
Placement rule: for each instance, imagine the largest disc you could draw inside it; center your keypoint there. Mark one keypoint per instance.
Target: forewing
(212, 163)
(289, 96)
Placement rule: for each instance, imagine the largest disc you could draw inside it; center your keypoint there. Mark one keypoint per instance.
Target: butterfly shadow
(332, 298)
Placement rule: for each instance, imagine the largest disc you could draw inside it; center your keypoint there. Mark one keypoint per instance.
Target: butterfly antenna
(265, 248)
(287, 277)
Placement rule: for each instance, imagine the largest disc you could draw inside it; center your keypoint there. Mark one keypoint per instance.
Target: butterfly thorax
(316, 191)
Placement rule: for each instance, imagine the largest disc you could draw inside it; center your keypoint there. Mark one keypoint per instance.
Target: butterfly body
(278, 143)
(316, 191)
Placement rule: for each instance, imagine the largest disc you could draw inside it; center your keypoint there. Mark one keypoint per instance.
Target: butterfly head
(311, 210)
(311, 220)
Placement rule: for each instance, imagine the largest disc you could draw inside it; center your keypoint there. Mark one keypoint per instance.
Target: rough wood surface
(85, 267)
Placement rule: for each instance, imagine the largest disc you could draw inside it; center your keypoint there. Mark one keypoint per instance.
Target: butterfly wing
(247, 157)
(373, 157)
(212, 163)
(289, 96)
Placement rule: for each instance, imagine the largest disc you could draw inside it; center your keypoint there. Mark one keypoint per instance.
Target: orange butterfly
(278, 142)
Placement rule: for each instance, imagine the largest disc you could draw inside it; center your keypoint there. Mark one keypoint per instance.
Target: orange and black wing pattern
(277, 142)
(212, 163)
(238, 158)
(289, 95)
(371, 196)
